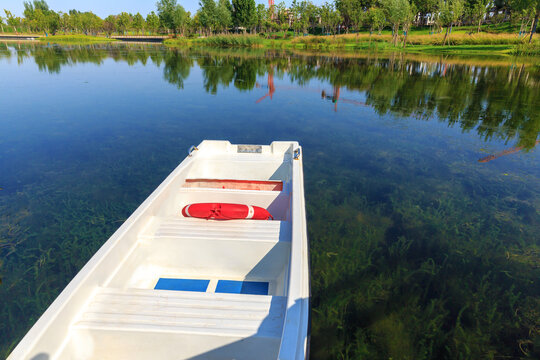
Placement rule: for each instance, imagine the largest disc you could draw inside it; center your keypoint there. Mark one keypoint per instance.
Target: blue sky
(103, 8)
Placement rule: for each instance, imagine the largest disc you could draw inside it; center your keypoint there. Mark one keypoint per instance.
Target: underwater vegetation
(412, 268)
(417, 250)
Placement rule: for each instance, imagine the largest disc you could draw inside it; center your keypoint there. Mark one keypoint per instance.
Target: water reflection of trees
(495, 101)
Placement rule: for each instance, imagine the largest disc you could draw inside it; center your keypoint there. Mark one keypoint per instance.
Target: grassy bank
(461, 42)
(78, 39)
(219, 41)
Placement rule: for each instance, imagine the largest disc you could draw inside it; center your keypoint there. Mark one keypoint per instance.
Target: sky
(103, 8)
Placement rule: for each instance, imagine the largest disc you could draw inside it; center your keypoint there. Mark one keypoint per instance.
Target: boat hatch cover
(182, 284)
(242, 287)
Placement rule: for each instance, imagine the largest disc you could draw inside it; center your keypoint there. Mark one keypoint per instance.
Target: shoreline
(464, 44)
(342, 43)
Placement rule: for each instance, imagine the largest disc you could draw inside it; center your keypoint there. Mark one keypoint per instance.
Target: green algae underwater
(418, 250)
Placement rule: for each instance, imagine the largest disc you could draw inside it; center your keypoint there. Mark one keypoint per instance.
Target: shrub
(231, 41)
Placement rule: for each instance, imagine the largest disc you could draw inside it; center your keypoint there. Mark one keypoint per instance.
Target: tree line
(339, 16)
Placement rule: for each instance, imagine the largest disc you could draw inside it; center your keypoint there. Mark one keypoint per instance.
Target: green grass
(219, 41)
(75, 39)
(527, 49)
(462, 41)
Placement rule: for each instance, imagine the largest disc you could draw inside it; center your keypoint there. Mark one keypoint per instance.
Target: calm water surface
(418, 249)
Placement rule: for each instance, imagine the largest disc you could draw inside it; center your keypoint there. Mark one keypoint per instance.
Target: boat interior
(208, 289)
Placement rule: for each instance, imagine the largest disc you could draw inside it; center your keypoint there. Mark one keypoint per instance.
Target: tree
(138, 22)
(181, 19)
(123, 22)
(166, 9)
(375, 19)
(449, 12)
(357, 18)
(330, 17)
(305, 15)
(408, 21)
(152, 22)
(296, 15)
(64, 21)
(478, 11)
(75, 20)
(109, 24)
(523, 10)
(396, 12)
(224, 15)
(90, 22)
(244, 13)
(283, 18)
(12, 20)
(535, 5)
(40, 18)
(207, 15)
(261, 17)
(349, 10)
(313, 15)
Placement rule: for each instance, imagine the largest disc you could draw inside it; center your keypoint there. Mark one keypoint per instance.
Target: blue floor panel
(182, 284)
(242, 287)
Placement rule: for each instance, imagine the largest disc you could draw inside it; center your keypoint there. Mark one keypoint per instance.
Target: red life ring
(221, 211)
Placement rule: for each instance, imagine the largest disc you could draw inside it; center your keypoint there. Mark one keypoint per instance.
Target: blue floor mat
(182, 284)
(242, 287)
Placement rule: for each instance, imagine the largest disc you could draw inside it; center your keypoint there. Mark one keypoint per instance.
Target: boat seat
(236, 315)
(238, 230)
(262, 185)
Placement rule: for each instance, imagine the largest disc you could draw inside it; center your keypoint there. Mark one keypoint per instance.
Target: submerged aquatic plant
(417, 251)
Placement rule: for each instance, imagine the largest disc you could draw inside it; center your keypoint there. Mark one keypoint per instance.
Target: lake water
(418, 249)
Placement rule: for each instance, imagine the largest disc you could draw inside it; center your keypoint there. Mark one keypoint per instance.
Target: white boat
(165, 286)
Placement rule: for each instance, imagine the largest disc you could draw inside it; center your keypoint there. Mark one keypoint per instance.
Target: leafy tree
(123, 22)
(224, 15)
(357, 18)
(396, 12)
(408, 21)
(244, 13)
(75, 20)
(349, 10)
(283, 18)
(11, 20)
(450, 12)
(64, 21)
(166, 10)
(313, 15)
(181, 19)
(298, 16)
(269, 24)
(262, 14)
(152, 22)
(138, 22)
(91, 23)
(478, 11)
(375, 19)
(330, 17)
(40, 18)
(109, 24)
(207, 15)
